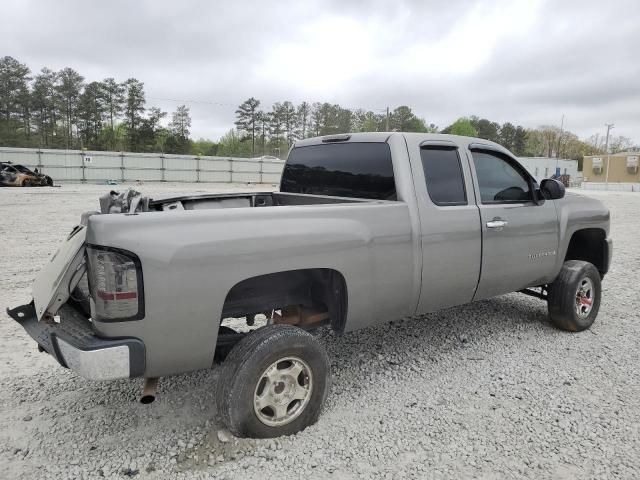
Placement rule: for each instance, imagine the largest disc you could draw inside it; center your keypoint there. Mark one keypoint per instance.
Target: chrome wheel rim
(283, 391)
(584, 298)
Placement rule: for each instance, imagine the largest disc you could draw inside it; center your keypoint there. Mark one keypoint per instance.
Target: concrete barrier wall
(612, 186)
(98, 167)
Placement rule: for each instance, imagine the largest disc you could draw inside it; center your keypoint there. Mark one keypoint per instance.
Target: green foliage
(204, 147)
(462, 126)
(486, 128)
(519, 141)
(231, 145)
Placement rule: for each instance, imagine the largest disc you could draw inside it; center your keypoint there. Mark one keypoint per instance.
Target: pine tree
(179, 128)
(114, 101)
(247, 117)
(289, 122)
(44, 106)
(68, 89)
(14, 100)
(304, 117)
(91, 113)
(134, 108)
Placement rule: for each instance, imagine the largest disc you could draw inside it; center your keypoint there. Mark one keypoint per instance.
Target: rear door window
(356, 170)
(443, 174)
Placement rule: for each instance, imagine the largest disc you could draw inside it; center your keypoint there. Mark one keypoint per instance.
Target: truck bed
(245, 200)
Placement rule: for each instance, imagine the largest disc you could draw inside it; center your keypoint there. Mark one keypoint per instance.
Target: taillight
(115, 283)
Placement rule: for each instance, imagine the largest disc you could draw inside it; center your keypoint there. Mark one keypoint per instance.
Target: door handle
(497, 224)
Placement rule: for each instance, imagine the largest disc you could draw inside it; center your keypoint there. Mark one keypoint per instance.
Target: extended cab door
(450, 234)
(519, 235)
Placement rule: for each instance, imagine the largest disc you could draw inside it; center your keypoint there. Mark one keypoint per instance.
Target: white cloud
(524, 61)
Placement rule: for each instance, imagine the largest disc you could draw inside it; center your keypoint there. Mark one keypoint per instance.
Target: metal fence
(99, 167)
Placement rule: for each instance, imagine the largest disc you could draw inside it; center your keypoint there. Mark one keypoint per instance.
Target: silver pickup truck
(366, 228)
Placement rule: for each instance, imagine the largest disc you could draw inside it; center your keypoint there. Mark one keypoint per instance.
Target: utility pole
(560, 136)
(559, 144)
(387, 124)
(606, 150)
(606, 142)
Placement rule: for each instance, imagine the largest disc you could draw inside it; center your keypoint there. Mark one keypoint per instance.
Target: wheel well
(312, 290)
(589, 245)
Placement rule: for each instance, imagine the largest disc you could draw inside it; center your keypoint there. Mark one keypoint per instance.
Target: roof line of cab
(382, 137)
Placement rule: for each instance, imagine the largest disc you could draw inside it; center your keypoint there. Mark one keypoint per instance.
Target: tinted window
(499, 181)
(443, 173)
(360, 170)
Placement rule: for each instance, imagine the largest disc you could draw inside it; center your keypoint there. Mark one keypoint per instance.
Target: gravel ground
(487, 390)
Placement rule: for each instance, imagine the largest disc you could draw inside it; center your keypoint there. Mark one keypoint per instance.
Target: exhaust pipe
(149, 390)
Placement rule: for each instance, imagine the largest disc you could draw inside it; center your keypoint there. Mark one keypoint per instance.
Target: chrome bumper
(74, 345)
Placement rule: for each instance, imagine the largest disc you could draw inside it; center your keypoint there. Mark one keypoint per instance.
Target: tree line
(273, 131)
(60, 110)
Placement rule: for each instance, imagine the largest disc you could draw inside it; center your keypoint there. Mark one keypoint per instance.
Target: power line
(221, 104)
(224, 104)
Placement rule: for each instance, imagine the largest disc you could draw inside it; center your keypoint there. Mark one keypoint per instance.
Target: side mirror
(552, 189)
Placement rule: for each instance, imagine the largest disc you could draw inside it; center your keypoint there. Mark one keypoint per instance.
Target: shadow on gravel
(433, 338)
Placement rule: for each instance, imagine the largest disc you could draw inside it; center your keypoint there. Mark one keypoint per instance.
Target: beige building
(620, 170)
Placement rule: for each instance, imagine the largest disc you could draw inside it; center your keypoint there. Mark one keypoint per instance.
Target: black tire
(222, 351)
(245, 367)
(49, 181)
(564, 296)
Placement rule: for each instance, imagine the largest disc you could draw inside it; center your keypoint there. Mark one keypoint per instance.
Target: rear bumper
(74, 345)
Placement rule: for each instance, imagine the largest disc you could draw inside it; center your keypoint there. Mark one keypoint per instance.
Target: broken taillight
(115, 283)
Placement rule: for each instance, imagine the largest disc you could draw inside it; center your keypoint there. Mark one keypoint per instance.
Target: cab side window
(443, 174)
(499, 181)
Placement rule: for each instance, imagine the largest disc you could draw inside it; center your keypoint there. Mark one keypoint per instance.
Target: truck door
(449, 222)
(519, 235)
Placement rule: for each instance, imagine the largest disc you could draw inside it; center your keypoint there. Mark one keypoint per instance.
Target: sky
(529, 62)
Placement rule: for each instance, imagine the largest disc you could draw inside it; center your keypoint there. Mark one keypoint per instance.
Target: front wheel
(574, 296)
(274, 382)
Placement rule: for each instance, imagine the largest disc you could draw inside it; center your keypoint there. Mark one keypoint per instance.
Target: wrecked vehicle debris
(15, 175)
(129, 201)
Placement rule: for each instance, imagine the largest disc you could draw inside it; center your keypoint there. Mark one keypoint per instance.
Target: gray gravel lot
(488, 390)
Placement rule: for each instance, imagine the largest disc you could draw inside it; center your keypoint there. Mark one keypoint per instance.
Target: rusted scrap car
(14, 175)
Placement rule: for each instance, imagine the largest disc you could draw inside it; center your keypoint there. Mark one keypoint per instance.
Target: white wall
(612, 186)
(544, 167)
(98, 167)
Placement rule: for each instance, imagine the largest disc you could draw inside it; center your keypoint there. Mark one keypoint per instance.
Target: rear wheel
(574, 296)
(274, 382)
(27, 182)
